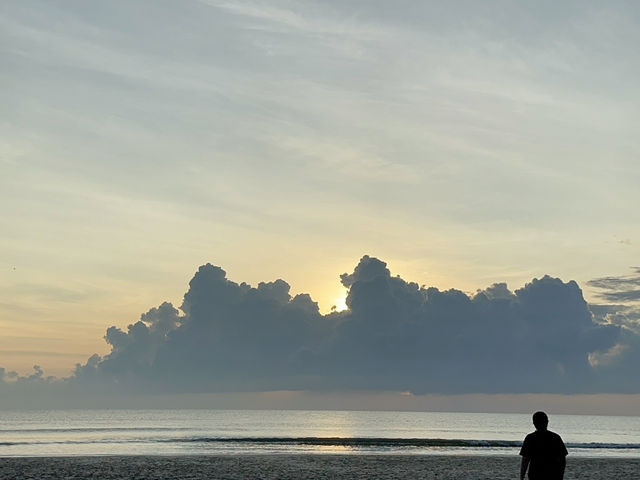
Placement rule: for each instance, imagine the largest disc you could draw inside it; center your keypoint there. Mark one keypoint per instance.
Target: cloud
(230, 337)
(624, 293)
(618, 289)
(426, 340)
(394, 336)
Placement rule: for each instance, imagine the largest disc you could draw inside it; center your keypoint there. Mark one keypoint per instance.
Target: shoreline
(301, 466)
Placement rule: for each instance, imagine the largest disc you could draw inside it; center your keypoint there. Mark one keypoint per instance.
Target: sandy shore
(301, 467)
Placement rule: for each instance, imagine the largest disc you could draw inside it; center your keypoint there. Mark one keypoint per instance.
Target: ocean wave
(382, 442)
(347, 442)
(356, 442)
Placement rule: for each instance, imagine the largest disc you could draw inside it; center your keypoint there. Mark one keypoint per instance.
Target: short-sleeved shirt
(546, 450)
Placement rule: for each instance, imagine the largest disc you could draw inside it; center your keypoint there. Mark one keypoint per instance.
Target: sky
(462, 145)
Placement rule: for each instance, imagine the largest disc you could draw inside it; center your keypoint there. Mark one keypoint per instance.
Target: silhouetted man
(543, 452)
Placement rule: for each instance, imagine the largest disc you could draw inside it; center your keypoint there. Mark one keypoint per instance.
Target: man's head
(540, 420)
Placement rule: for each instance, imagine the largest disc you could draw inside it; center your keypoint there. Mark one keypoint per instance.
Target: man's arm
(563, 464)
(562, 457)
(524, 464)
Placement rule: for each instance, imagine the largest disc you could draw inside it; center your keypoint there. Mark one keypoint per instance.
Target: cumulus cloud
(394, 336)
(537, 338)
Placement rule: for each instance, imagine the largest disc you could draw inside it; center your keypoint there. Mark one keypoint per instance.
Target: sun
(339, 303)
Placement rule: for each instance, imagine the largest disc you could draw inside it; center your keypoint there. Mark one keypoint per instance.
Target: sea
(231, 432)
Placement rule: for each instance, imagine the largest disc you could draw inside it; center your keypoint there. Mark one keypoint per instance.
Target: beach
(308, 466)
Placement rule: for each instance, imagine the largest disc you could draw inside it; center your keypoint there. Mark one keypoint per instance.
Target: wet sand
(265, 467)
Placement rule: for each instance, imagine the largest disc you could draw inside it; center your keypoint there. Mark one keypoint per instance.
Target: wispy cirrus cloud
(618, 289)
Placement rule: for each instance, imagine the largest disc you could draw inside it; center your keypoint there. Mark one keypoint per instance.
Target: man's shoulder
(543, 436)
(560, 447)
(533, 435)
(554, 435)
(528, 442)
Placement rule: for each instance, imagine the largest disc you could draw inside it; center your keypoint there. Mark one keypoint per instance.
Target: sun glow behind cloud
(339, 303)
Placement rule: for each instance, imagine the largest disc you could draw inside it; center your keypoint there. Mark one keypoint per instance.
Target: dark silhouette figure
(543, 452)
